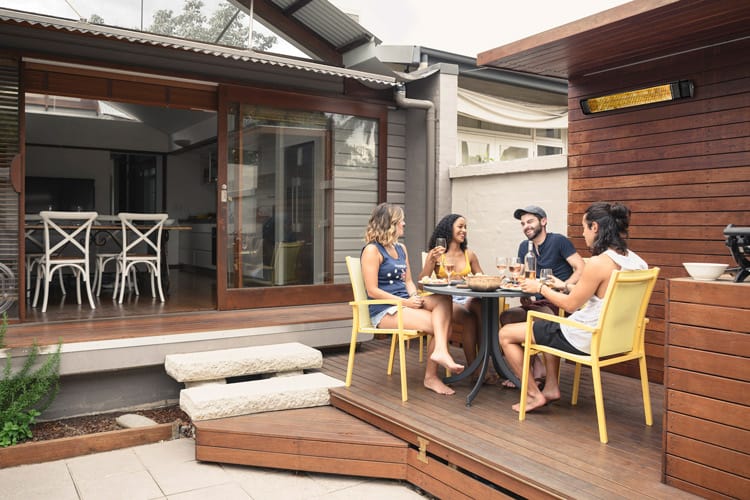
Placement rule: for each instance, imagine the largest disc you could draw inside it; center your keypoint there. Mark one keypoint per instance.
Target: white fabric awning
(495, 110)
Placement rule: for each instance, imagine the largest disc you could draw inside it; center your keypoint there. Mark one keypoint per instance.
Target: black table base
(489, 348)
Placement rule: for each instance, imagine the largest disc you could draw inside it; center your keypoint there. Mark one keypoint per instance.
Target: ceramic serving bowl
(484, 283)
(703, 271)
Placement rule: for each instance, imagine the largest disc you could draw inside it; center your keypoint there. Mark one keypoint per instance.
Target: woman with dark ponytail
(605, 230)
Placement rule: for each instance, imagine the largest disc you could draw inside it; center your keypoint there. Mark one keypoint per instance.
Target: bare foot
(437, 385)
(447, 362)
(509, 384)
(532, 403)
(551, 395)
(489, 378)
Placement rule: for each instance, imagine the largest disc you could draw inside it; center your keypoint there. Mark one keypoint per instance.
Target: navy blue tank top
(391, 276)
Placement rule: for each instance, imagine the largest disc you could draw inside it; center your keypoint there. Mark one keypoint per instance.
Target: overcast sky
(464, 27)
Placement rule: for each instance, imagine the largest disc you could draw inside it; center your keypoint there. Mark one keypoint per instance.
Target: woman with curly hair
(386, 272)
(466, 310)
(605, 230)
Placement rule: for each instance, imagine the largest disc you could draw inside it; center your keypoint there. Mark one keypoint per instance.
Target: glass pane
(514, 153)
(474, 152)
(276, 209)
(554, 133)
(355, 187)
(548, 150)
(209, 21)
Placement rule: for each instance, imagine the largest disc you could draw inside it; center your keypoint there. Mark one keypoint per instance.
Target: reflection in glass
(281, 192)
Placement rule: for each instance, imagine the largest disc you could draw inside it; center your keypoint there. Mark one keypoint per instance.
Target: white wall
(187, 193)
(487, 196)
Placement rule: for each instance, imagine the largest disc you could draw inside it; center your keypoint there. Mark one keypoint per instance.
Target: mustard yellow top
(463, 272)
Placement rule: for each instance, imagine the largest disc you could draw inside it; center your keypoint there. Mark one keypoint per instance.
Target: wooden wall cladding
(682, 167)
(90, 84)
(707, 402)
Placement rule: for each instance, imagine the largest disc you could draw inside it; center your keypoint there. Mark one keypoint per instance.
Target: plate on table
(433, 282)
(511, 288)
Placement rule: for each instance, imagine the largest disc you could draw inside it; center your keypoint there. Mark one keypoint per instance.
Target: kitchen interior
(87, 154)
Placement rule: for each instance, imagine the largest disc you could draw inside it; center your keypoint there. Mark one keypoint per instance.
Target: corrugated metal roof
(330, 23)
(142, 38)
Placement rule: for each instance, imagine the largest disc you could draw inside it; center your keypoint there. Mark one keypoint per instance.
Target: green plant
(26, 393)
(3, 327)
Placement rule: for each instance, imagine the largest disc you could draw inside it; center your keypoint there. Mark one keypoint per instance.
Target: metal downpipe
(404, 102)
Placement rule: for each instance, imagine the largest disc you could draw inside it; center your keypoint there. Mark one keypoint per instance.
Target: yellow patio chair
(618, 337)
(361, 323)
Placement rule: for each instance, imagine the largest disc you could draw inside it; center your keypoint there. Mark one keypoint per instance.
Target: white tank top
(589, 313)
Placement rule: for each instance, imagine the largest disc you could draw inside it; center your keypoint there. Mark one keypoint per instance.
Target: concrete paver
(168, 470)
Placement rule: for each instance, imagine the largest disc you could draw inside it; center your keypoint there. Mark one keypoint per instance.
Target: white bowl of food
(704, 271)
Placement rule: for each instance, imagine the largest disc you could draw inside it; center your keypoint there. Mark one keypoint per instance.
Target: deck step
(220, 364)
(321, 439)
(243, 398)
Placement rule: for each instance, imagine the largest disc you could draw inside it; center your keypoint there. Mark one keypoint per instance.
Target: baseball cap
(531, 209)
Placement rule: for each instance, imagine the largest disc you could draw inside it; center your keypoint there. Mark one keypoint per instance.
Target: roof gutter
(399, 95)
(467, 66)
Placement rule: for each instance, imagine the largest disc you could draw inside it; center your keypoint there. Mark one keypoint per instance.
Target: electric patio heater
(738, 241)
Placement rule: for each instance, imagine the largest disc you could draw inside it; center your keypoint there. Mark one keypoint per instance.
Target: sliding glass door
(276, 198)
(296, 186)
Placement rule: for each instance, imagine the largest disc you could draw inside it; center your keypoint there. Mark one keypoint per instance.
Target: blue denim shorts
(379, 316)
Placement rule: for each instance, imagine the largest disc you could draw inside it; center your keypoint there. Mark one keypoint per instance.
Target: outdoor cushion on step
(212, 365)
(256, 396)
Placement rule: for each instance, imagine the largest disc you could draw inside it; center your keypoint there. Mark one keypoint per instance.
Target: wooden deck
(459, 452)
(190, 307)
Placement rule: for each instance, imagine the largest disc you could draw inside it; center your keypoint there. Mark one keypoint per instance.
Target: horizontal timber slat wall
(707, 405)
(682, 167)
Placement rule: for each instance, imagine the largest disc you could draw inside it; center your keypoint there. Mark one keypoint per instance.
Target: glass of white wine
(501, 263)
(515, 266)
(546, 277)
(449, 268)
(440, 242)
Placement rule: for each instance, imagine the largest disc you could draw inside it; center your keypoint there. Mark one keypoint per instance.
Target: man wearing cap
(553, 251)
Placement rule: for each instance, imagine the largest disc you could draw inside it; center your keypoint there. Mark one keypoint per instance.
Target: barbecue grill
(738, 241)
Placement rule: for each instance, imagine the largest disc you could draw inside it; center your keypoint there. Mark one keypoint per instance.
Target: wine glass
(515, 266)
(449, 268)
(501, 263)
(440, 242)
(545, 276)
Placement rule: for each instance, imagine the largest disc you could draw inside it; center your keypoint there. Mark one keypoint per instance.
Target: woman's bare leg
(421, 319)
(441, 307)
(469, 334)
(511, 337)
(431, 378)
(551, 389)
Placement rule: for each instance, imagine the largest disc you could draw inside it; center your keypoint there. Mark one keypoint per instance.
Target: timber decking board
(555, 453)
(22, 335)
(322, 423)
(488, 433)
(321, 439)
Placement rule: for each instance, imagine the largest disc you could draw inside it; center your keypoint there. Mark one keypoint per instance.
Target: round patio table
(490, 344)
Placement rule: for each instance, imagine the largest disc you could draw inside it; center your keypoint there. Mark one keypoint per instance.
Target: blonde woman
(386, 272)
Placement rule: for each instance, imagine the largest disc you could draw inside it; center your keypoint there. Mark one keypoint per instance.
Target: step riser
(212, 365)
(244, 398)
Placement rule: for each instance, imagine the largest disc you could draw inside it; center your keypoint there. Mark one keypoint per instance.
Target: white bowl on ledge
(704, 271)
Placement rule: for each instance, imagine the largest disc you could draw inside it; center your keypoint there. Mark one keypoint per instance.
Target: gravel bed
(91, 424)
